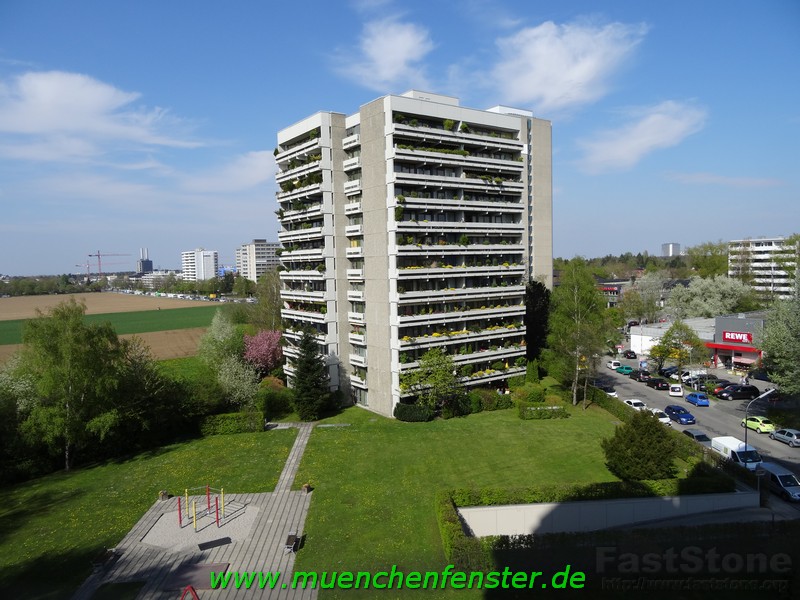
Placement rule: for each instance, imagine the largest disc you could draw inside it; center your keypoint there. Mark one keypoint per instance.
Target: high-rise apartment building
(766, 264)
(256, 258)
(409, 225)
(199, 265)
(670, 249)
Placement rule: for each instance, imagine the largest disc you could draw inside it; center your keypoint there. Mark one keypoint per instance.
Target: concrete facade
(765, 264)
(256, 258)
(199, 264)
(409, 225)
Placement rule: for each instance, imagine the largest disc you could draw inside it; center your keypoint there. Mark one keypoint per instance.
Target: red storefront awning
(734, 348)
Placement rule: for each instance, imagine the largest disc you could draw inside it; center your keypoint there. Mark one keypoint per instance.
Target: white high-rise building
(408, 225)
(199, 264)
(763, 264)
(256, 258)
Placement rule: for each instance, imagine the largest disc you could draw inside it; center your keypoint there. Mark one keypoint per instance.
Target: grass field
(375, 481)
(52, 527)
(130, 322)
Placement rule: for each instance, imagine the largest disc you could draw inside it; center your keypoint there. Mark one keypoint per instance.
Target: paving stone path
(252, 538)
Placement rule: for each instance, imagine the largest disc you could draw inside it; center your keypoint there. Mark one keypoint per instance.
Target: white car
(676, 389)
(613, 364)
(661, 416)
(636, 404)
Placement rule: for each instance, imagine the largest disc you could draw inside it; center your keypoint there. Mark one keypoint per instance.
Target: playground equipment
(219, 503)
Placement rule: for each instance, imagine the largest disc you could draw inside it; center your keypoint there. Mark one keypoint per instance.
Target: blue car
(680, 415)
(697, 399)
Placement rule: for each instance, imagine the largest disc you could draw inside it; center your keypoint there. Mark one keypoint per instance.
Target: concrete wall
(518, 519)
(542, 212)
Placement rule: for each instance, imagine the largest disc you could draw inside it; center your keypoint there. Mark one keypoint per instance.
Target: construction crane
(99, 264)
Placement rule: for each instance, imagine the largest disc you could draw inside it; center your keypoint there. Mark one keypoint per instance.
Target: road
(721, 418)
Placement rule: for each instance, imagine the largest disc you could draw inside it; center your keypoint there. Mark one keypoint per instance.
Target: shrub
(449, 124)
(412, 413)
(239, 422)
(535, 393)
(274, 399)
(498, 365)
(464, 552)
(516, 382)
(642, 448)
(475, 403)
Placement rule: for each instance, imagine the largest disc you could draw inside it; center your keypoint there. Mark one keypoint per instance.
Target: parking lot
(721, 418)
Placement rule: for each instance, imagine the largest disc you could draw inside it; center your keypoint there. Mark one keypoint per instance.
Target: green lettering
(472, 577)
(458, 580)
(375, 580)
(365, 577)
(305, 575)
(413, 579)
(576, 579)
(345, 580)
(519, 580)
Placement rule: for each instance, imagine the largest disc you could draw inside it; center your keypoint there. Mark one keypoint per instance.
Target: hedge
(412, 413)
(489, 399)
(464, 552)
(535, 411)
(241, 422)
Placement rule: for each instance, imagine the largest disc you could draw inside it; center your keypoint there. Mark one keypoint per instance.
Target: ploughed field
(171, 327)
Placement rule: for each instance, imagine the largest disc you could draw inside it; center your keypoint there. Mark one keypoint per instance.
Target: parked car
(739, 392)
(625, 370)
(760, 374)
(697, 399)
(720, 385)
(661, 416)
(680, 415)
(640, 375)
(698, 436)
(667, 371)
(759, 424)
(608, 389)
(782, 481)
(629, 354)
(636, 404)
(676, 389)
(787, 436)
(657, 383)
(613, 364)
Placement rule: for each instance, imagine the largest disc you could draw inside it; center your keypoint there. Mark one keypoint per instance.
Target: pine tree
(310, 379)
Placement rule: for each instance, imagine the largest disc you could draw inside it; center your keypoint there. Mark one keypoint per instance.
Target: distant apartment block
(670, 249)
(156, 279)
(409, 225)
(199, 264)
(766, 264)
(256, 258)
(144, 264)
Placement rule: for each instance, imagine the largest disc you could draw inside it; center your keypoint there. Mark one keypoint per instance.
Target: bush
(491, 400)
(412, 413)
(464, 552)
(499, 366)
(475, 402)
(240, 422)
(532, 371)
(535, 394)
(535, 411)
(516, 382)
(274, 399)
(642, 448)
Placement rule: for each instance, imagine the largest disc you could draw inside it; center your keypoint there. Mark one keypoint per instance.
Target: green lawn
(142, 321)
(375, 481)
(51, 528)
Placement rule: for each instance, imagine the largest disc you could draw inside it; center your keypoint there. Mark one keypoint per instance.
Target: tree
(239, 382)
(537, 308)
(640, 449)
(266, 313)
(221, 340)
(435, 382)
(243, 287)
(263, 350)
(680, 344)
(578, 327)
(709, 297)
(310, 379)
(73, 365)
(781, 342)
(709, 259)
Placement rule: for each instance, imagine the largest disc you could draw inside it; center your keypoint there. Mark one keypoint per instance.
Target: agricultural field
(171, 327)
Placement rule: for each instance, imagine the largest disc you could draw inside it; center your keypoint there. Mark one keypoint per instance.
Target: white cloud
(390, 53)
(554, 67)
(712, 179)
(652, 128)
(243, 173)
(60, 116)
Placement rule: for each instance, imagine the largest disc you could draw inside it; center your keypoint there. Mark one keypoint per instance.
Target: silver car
(787, 436)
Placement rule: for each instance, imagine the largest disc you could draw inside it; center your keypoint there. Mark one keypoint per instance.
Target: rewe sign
(742, 337)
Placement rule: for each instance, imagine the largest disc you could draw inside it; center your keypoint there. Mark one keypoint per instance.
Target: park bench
(291, 542)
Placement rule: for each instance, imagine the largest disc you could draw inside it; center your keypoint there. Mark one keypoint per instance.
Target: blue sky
(151, 123)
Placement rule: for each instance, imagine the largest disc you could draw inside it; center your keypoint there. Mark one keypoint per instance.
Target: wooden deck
(261, 548)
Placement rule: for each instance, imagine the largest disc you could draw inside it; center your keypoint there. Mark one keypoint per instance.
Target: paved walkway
(168, 558)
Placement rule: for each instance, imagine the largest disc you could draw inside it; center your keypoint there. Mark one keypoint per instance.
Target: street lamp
(747, 410)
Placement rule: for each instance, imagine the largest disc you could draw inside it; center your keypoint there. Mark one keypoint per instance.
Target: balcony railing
(353, 229)
(352, 208)
(350, 187)
(354, 252)
(355, 317)
(355, 274)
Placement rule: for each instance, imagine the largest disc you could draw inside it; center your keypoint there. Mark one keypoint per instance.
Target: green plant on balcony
(399, 118)
(404, 359)
(276, 151)
(413, 123)
(400, 199)
(465, 370)
(398, 213)
(449, 124)
(498, 180)
(464, 128)
(321, 268)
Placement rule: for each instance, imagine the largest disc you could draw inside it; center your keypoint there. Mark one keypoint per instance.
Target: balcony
(355, 295)
(300, 235)
(297, 151)
(515, 335)
(307, 254)
(302, 315)
(309, 275)
(355, 317)
(302, 296)
(477, 313)
(451, 294)
(358, 361)
(425, 134)
(351, 163)
(356, 252)
(354, 230)
(357, 338)
(352, 208)
(460, 271)
(355, 274)
(352, 187)
(350, 141)
(314, 188)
